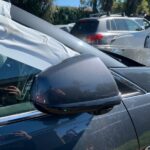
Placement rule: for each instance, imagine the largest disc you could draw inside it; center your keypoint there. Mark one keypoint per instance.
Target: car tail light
(94, 39)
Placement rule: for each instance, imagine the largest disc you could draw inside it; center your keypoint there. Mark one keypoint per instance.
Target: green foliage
(53, 14)
(64, 15)
(37, 7)
(143, 7)
(131, 6)
(98, 5)
(118, 6)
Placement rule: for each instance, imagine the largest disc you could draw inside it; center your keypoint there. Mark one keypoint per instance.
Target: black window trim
(125, 80)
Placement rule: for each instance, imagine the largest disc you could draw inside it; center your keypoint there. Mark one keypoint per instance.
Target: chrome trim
(130, 94)
(20, 117)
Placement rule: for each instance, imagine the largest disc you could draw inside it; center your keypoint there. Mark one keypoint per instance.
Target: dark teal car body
(126, 126)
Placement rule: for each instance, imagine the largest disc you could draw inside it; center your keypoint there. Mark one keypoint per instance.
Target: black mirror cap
(78, 84)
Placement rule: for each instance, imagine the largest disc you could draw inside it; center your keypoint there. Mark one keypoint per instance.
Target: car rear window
(85, 27)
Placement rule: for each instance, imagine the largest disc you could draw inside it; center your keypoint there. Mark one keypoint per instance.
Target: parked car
(144, 23)
(91, 100)
(135, 40)
(101, 30)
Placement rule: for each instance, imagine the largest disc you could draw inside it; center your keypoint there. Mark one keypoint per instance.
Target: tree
(107, 5)
(98, 5)
(143, 7)
(37, 7)
(118, 6)
(131, 6)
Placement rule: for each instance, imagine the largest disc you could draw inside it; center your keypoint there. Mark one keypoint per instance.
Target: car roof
(140, 18)
(105, 18)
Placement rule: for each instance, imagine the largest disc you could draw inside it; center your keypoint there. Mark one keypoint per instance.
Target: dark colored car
(90, 101)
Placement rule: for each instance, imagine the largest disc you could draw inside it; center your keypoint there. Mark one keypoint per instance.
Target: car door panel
(139, 109)
(109, 130)
(139, 106)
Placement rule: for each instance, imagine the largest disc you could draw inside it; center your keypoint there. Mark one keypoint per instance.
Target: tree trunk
(95, 6)
(131, 7)
(107, 5)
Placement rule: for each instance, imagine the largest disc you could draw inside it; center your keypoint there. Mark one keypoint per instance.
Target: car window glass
(113, 25)
(146, 24)
(121, 24)
(108, 25)
(85, 27)
(126, 88)
(139, 21)
(15, 83)
(132, 26)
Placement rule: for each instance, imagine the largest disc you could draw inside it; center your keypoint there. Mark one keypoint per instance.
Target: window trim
(20, 117)
(142, 91)
(116, 27)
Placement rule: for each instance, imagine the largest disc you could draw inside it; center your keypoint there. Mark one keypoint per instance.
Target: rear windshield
(85, 27)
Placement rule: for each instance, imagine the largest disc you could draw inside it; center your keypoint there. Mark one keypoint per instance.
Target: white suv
(101, 30)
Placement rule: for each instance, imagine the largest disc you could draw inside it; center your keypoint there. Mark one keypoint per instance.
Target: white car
(99, 31)
(144, 23)
(133, 40)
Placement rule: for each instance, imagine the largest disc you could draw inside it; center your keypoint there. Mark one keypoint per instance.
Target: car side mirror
(78, 84)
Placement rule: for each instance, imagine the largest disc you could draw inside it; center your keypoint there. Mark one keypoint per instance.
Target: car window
(85, 27)
(112, 25)
(108, 25)
(132, 26)
(121, 24)
(146, 24)
(126, 88)
(15, 83)
(140, 22)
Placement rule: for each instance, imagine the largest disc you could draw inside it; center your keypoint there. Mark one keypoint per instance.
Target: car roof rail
(107, 14)
(98, 14)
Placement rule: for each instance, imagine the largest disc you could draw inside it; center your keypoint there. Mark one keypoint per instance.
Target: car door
(23, 127)
(139, 106)
(32, 130)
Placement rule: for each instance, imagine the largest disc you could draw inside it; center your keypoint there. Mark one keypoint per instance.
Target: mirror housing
(78, 84)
